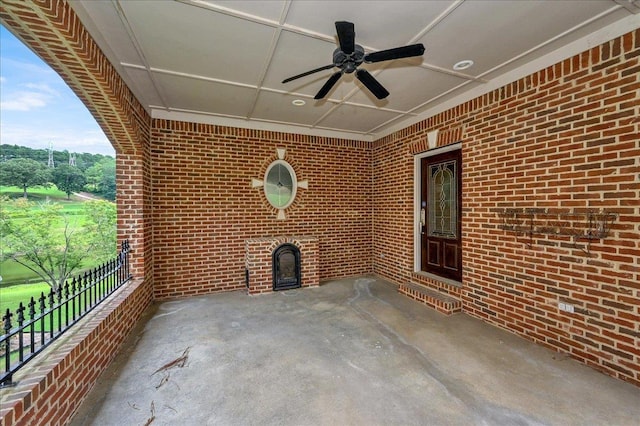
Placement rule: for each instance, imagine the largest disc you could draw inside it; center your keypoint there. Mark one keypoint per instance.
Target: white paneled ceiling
(223, 62)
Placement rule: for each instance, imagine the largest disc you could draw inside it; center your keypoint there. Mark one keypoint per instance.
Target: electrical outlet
(565, 307)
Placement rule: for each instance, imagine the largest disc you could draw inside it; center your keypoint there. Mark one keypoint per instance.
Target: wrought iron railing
(38, 323)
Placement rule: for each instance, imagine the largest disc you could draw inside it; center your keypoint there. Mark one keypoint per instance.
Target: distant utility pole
(50, 163)
(72, 159)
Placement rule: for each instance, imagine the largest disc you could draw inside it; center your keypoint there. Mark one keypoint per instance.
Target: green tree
(68, 179)
(100, 229)
(42, 238)
(24, 173)
(83, 160)
(101, 178)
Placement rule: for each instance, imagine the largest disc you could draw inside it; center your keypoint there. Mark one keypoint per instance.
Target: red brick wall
(204, 207)
(392, 210)
(567, 137)
(133, 177)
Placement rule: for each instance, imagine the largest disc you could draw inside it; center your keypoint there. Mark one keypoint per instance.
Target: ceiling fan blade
(346, 36)
(372, 84)
(396, 53)
(328, 85)
(304, 74)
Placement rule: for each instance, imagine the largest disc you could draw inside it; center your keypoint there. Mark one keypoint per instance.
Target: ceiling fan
(350, 55)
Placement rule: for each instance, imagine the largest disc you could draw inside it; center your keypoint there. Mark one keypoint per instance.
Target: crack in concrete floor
(351, 352)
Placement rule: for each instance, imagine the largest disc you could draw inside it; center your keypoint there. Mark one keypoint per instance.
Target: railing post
(125, 251)
(42, 309)
(83, 285)
(108, 273)
(108, 265)
(59, 294)
(120, 267)
(73, 299)
(66, 304)
(105, 278)
(20, 312)
(93, 277)
(32, 331)
(88, 288)
(6, 319)
(51, 305)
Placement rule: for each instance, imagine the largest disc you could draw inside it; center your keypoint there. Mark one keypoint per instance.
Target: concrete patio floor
(351, 352)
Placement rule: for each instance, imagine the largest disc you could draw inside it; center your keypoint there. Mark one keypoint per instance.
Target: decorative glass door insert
(443, 198)
(440, 233)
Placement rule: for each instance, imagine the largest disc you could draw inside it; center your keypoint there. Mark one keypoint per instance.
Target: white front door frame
(417, 195)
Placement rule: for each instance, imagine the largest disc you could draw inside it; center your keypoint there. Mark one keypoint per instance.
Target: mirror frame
(294, 183)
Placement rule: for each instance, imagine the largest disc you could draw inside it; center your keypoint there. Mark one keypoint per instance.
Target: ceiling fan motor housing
(350, 55)
(348, 63)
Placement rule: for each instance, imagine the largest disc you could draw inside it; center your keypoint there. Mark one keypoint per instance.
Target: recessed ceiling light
(463, 65)
(298, 102)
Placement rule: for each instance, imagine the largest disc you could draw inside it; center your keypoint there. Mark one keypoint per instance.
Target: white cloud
(39, 95)
(24, 101)
(73, 140)
(38, 108)
(35, 67)
(42, 87)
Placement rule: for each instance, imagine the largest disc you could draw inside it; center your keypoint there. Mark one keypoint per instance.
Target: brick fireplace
(259, 261)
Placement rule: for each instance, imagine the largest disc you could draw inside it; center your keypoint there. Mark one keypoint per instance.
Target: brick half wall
(50, 389)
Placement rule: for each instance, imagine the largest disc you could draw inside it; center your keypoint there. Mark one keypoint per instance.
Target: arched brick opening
(53, 31)
(51, 390)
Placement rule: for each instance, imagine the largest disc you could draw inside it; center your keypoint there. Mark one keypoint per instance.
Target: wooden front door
(440, 215)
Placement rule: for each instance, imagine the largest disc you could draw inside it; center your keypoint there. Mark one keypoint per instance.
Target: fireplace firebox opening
(286, 267)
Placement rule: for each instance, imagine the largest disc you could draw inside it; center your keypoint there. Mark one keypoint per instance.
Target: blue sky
(37, 107)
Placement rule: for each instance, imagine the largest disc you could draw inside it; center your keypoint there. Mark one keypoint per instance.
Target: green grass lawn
(60, 318)
(12, 295)
(37, 194)
(19, 284)
(12, 272)
(14, 276)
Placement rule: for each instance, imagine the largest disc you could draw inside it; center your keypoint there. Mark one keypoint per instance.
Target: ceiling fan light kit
(350, 55)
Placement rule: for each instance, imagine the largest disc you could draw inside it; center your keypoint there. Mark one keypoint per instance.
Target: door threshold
(435, 277)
